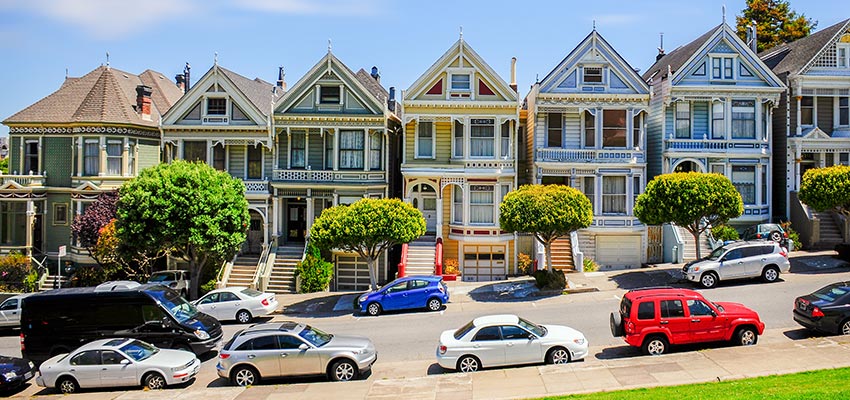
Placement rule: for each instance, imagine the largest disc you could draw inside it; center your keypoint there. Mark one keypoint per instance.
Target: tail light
(783, 252)
(23, 348)
(223, 356)
(440, 288)
(443, 349)
(265, 302)
(816, 312)
(630, 327)
(785, 234)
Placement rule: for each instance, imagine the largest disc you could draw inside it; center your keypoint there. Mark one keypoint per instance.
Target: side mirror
(303, 347)
(125, 361)
(166, 322)
(713, 313)
(531, 336)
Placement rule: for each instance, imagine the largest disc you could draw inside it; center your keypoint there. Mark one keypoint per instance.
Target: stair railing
(257, 282)
(438, 257)
(42, 271)
(578, 256)
(224, 273)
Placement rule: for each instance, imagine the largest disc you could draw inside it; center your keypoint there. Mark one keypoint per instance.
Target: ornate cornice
(77, 130)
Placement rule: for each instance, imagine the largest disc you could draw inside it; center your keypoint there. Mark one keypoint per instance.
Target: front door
(254, 241)
(732, 264)
(519, 349)
(296, 228)
(425, 200)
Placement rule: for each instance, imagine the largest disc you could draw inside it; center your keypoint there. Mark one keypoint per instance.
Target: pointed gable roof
(259, 92)
(676, 58)
(794, 57)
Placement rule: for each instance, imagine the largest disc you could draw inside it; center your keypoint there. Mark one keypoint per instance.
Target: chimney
(513, 74)
(186, 70)
(143, 102)
(281, 78)
(375, 74)
(391, 99)
(180, 80)
(660, 54)
(755, 43)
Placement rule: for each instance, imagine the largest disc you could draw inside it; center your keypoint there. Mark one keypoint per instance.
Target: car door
(521, 346)
(265, 355)
(673, 319)
(752, 258)
(85, 368)
(114, 373)
(228, 304)
(10, 314)
(732, 264)
(706, 326)
(154, 330)
(417, 293)
(295, 361)
(395, 297)
(209, 305)
(487, 345)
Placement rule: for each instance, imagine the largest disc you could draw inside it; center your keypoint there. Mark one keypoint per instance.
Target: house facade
(586, 129)
(459, 160)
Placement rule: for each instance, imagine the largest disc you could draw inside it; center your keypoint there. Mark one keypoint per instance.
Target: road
(406, 341)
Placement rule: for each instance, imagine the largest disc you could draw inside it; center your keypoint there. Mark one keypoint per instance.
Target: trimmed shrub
(724, 233)
(315, 273)
(524, 263)
(550, 280)
(590, 265)
(450, 267)
(15, 269)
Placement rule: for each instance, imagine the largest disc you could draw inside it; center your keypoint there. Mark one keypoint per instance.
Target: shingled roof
(676, 58)
(104, 95)
(793, 57)
(258, 91)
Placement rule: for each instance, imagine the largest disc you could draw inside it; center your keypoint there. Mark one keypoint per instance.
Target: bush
(315, 272)
(89, 275)
(207, 287)
(792, 234)
(550, 280)
(450, 267)
(589, 265)
(724, 233)
(14, 270)
(524, 264)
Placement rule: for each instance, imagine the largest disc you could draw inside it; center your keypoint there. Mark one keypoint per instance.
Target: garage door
(484, 263)
(618, 251)
(352, 273)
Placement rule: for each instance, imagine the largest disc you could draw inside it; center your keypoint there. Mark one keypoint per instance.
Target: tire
(746, 336)
(154, 381)
(468, 364)
(558, 355)
(708, 280)
(342, 371)
(435, 304)
(67, 385)
(844, 328)
(616, 323)
(770, 274)
(373, 309)
(775, 236)
(244, 375)
(655, 345)
(244, 316)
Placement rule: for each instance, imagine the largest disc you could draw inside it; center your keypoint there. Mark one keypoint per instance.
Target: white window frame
(842, 60)
(601, 75)
(460, 89)
(119, 157)
(496, 128)
(304, 149)
(838, 109)
(457, 206)
(433, 141)
(28, 156)
(676, 119)
(722, 60)
(96, 143)
(493, 204)
(262, 161)
(718, 107)
(623, 195)
(754, 119)
(215, 119)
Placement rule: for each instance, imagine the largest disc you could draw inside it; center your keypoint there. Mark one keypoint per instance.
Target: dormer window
(721, 68)
(592, 75)
(329, 95)
(216, 106)
(460, 82)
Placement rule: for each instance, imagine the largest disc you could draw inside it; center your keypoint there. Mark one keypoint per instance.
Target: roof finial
(215, 58)
(107, 60)
(594, 24)
(461, 32)
(330, 45)
(724, 14)
(66, 72)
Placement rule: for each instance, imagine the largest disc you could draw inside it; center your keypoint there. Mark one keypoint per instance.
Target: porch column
(102, 170)
(80, 141)
(467, 131)
(336, 154)
(466, 192)
(275, 211)
(30, 223)
(336, 199)
(288, 148)
(209, 152)
(310, 212)
(366, 150)
(275, 151)
(125, 158)
(798, 156)
(799, 117)
(759, 167)
(40, 157)
(439, 216)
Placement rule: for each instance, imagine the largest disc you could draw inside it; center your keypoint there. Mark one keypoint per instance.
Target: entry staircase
(830, 235)
(243, 270)
(562, 254)
(690, 251)
(51, 282)
(282, 278)
(421, 254)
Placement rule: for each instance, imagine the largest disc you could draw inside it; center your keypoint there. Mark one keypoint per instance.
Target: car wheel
(770, 274)
(243, 317)
(435, 304)
(468, 364)
(775, 236)
(655, 345)
(845, 327)
(374, 309)
(244, 376)
(154, 381)
(67, 385)
(708, 280)
(616, 322)
(343, 371)
(558, 355)
(747, 336)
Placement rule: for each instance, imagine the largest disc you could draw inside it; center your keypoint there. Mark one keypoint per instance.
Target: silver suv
(288, 348)
(739, 260)
(176, 279)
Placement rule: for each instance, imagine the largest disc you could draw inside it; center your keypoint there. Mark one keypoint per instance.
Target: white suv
(739, 260)
(176, 279)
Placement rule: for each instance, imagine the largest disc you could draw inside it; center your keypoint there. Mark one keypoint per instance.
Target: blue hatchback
(409, 292)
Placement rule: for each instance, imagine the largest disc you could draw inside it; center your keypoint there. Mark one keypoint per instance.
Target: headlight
(362, 298)
(579, 341)
(10, 375)
(202, 334)
(32, 365)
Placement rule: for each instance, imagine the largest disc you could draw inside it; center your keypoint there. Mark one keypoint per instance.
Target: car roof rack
(652, 288)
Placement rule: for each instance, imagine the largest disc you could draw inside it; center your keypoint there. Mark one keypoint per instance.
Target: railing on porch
(24, 179)
(328, 176)
(715, 145)
(590, 155)
(256, 186)
(489, 164)
(260, 280)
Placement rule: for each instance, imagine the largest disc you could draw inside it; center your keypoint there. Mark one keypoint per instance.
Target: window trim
(65, 221)
(714, 118)
(722, 68)
(27, 156)
(416, 155)
(493, 204)
(452, 87)
(262, 161)
(625, 128)
(584, 75)
(493, 138)
(754, 120)
(676, 119)
(624, 195)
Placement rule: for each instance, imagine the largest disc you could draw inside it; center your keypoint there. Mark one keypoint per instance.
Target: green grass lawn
(816, 385)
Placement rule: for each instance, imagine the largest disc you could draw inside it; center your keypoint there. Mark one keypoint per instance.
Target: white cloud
(315, 7)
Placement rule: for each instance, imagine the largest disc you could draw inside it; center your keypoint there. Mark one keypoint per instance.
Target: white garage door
(618, 251)
(484, 263)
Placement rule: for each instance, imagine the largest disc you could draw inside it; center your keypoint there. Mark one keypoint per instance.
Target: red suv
(653, 319)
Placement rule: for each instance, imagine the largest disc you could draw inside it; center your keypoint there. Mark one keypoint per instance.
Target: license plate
(28, 375)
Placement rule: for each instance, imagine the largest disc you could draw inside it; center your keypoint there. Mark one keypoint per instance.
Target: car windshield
(716, 253)
(464, 330)
(176, 305)
(162, 277)
(251, 292)
(139, 350)
(534, 328)
(315, 336)
(831, 292)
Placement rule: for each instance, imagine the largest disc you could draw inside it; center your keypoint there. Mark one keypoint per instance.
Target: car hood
(559, 332)
(737, 310)
(349, 342)
(203, 322)
(8, 364)
(51, 362)
(170, 358)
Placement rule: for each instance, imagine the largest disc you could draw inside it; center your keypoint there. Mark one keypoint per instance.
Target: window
(718, 121)
(589, 129)
(744, 179)
(505, 144)
(458, 139)
(843, 111)
(213, 298)
(227, 296)
(298, 150)
(329, 151)
(265, 343)
(91, 151)
(425, 140)
(613, 194)
(743, 70)
(351, 149)
(637, 123)
(482, 137)
(698, 307)
(255, 162)
(842, 54)
(511, 332)
(194, 150)
(588, 188)
(721, 68)
(114, 157)
(31, 157)
(807, 110)
(219, 157)
(91, 357)
(398, 287)
(763, 185)
(460, 82)
(554, 130)
(217, 106)
(60, 214)
(613, 128)
(646, 310)
(672, 309)
(683, 120)
(457, 204)
(289, 342)
(743, 119)
(131, 158)
(635, 189)
(592, 75)
(13, 220)
(481, 204)
(487, 334)
(329, 95)
(375, 151)
(110, 357)
(700, 71)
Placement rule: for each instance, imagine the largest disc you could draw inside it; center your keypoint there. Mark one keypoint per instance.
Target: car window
(698, 307)
(315, 336)
(10, 304)
(464, 330)
(751, 251)
(139, 350)
(672, 309)
(398, 287)
(288, 342)
(487, 333)
(212, 298)
(227, 296)
(417, 284)
(246, 345)
(110, 357)
(151, 312)
(733, 254)
(831, 293)
(265, 343)
(646, 310)
(767, 249)
(91, 357)
(511, 332)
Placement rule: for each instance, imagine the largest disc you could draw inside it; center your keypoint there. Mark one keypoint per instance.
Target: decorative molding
(108, 130)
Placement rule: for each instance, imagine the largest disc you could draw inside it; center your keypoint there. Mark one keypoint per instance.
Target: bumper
(16, 382)
(206, 345)
(692, 276)
(446, 361)
(39, 380)
(184, 374)
(266, 310)
(814, 324)
(580, 353)
(365, 364)
(221, 371)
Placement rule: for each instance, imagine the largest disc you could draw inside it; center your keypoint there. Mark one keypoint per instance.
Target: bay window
(481, 204)
(114, 157)
(744, 180)
(637, 124)
(743, 119)
(91, 157)
(613, 128)
(613, 194)
(329, 151)
(131, 158)
(351, 149)
(587, 187)
(843, 111)
(482, 137)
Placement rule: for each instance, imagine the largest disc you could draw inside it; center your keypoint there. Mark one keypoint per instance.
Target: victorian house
(90, 136)
(459, 161)
(586, 122)
(811, 124)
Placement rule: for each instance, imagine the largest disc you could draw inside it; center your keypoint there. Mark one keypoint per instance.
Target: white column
(366, 150)
(758, 184)
(210, 154)
(288, 148)
(275, 211)
(307, 149)
(797, 157)
(80, 141)
(125, 158)
(467, 132)
(336, 154)
(799, 118)
(439, 215)
(310, 212)
(102, 170)
(40, 157)
(466, 193)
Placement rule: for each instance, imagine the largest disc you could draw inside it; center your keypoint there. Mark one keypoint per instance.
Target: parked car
(177, 280)
(773, 232)
(655, 318)
(498, 340)
(288, 348)
(117, 362)
(14, 372)
(826, 309)
(404, 293)
(10, 311)
(237, 303)
(739, 260)
(109, 286)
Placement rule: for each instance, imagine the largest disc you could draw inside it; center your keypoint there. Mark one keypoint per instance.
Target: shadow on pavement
(619, 352)
(19, 389)
(436, 369)
(818, 264)
(329, 306)
(510, 291)
(648, 277)
(272, 382)
(803, 334)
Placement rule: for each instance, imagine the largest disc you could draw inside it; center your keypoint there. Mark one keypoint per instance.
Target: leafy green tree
(368, 228)
(776, 23)
(827, 189)
(548, 212)
(187, 210)
(692, 200)
(314, 272)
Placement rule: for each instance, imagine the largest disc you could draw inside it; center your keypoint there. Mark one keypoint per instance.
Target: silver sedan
(117, 362)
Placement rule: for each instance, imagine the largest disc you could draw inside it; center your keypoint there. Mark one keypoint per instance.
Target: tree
(187, 210)
(368, 228)
(827, 189)
(776, 23)
(548, 212)
(87, 226)
(116, 255)
(4, 165)
(692, 200)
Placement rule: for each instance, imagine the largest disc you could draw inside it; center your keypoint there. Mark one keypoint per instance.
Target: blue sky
(39, 39)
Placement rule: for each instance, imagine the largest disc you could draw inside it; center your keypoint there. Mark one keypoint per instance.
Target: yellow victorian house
(458, 162)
